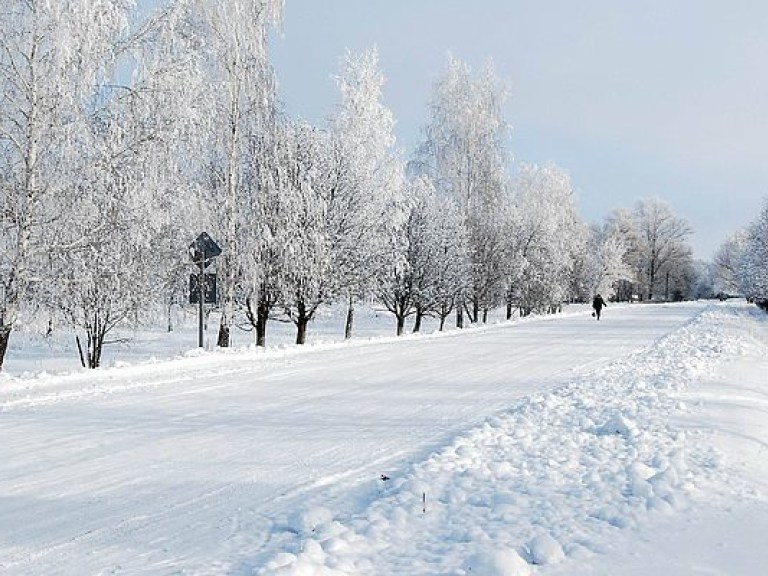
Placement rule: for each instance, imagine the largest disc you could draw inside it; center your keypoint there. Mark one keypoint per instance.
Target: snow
(549, 446)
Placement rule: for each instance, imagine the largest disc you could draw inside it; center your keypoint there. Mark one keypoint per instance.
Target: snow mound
(545, 550)
(620, 425)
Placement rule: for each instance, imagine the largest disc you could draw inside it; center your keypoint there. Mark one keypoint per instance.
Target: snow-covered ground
(553, 446)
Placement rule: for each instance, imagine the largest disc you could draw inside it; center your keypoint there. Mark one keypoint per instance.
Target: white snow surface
(556, 446)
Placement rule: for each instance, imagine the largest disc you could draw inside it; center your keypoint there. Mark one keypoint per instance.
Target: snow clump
(545, 550)
(501, 562)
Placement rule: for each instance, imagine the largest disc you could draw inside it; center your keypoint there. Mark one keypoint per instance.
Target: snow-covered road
(186, 466)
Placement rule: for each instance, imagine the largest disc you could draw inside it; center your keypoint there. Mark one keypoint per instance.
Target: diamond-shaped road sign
(203, 249)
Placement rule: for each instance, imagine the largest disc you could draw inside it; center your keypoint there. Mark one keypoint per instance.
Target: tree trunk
(651, 282)
(230, 210)
(400, 324)
(417, 322)
(485, 315)
(91, 356)
(459, 316)
(223, 339)
(301, 330)
(5, 336)
(444, 312)
(80, 351)
(350, 319)
(301, 321)
(95, 346)
(509, 309)
(262, 316)
(170, 314)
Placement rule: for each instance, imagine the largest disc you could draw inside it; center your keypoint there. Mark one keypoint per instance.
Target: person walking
(597, 304)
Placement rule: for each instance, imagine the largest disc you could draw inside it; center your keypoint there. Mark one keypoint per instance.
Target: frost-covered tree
(622, 224)
(546, 239)
(167, 99)
(125, 235)
(367, 178)
(53, 55)
(270, 231)
(433, 270)
(662, 250)
(111, 277)
(448, 261)
(753, 264)
(656, 250)
(231, 39)
(464, 153)
(309, 278)
(604, 264)
(516, 241)
(726, 263)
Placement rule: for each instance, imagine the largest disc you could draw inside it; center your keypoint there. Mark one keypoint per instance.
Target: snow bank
(549, 482)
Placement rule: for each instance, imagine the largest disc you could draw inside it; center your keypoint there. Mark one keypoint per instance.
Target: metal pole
(201, 296)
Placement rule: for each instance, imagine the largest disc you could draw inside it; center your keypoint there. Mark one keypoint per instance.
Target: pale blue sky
(635, 99)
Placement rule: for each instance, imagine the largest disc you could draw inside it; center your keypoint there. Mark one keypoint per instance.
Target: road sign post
(200, 298)
(202, 251)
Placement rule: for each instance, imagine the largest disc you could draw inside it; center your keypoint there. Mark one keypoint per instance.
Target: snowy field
(555, 446)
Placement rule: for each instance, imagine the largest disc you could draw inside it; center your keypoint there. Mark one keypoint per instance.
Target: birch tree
(308, 265)
(547, 237)
(432, 270)
(438, 254)
(464, 153)
(52, 56)
(96, 282)
(232, 40)
(269, 234)
(167, 100)
(367, 177)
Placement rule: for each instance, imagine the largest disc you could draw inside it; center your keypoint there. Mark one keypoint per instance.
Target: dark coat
(598, 302)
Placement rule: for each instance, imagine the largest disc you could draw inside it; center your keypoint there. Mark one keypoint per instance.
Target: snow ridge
(548, 482)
